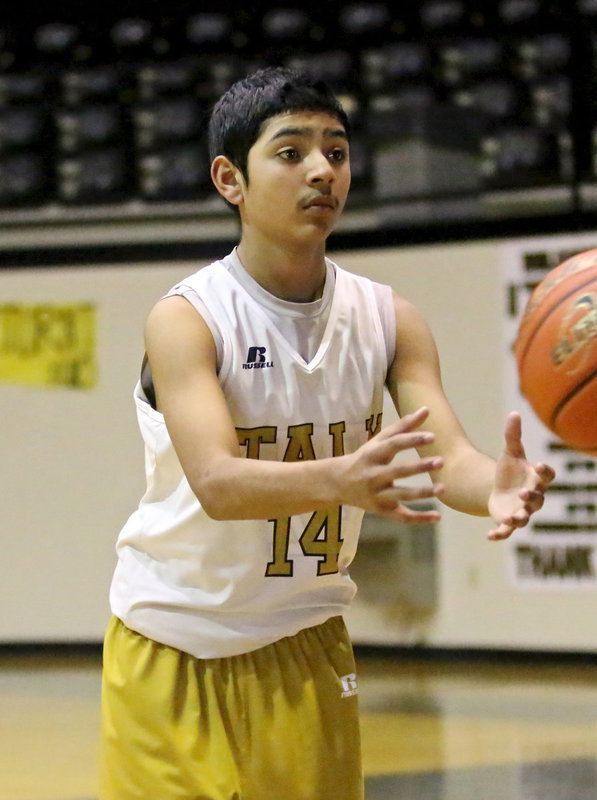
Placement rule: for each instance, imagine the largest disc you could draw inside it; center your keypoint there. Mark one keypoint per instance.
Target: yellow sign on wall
(48, 344)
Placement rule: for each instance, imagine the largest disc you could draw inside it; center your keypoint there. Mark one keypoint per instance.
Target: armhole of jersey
(384, 299)
(193, 298)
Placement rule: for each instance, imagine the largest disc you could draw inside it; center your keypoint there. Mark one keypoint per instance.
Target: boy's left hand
(519, 486)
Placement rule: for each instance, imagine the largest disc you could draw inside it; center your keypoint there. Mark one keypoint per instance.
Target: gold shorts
(279, 723)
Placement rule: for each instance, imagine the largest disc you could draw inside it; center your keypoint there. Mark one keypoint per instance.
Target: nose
(319, 169)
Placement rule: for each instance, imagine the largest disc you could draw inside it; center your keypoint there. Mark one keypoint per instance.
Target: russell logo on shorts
(349, 685)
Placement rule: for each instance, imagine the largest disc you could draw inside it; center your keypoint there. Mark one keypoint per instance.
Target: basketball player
(228, 671)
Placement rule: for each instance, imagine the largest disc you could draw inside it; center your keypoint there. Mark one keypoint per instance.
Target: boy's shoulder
(355, 278)
(214, 271)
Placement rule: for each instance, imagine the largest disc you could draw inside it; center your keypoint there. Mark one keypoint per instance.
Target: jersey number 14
(321, 539)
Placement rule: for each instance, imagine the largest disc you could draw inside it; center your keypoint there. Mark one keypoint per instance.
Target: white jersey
(219, 588)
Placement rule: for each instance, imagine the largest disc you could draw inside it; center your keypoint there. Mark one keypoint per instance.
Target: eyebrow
(330, 133)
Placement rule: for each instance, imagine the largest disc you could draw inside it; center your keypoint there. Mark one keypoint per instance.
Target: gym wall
(73, 461)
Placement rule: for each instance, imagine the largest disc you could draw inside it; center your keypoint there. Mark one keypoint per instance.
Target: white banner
(558, 550)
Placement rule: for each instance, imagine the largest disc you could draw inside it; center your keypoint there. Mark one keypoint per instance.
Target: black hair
(238, 116)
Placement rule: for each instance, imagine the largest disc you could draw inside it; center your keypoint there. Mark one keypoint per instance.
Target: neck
(295, 276)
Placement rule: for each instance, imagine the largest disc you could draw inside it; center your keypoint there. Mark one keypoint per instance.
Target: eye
(289, 154)
(338, 155)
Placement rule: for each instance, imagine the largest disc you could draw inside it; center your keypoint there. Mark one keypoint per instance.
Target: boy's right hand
(371, 475)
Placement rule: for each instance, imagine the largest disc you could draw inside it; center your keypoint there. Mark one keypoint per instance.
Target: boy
(228, 671)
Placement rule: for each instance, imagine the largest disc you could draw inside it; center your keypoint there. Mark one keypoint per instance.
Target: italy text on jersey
(300, 445)
(322, 534)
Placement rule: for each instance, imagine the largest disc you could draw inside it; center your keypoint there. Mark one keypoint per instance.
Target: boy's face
(299, 176)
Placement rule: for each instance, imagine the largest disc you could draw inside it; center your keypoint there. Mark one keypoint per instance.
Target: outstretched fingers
(404, 469)
(404, 494)
(391, 493)
(374, 475)
(389, 447)
(402, 435)
(513, 436)
(390, 500)
(407, 423)
(545, 473)
(533, 499)
(503, 531)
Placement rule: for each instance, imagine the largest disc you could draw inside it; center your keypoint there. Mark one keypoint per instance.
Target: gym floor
(438, 728)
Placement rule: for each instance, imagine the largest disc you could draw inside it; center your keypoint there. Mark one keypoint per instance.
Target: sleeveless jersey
(220, 588)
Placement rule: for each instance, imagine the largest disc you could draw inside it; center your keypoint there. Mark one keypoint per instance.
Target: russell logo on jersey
(257, 359)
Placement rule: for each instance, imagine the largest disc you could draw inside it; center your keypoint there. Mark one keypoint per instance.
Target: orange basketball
(556, 351)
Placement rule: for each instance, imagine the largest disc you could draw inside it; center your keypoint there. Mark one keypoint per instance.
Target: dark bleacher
(461, 113)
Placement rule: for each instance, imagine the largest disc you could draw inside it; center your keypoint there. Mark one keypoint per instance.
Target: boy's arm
(182, 355)
(509, 489)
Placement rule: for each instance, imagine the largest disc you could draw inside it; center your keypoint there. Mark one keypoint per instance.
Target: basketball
(556, 351)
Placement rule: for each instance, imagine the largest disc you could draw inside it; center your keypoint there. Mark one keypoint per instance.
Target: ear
(227, 179)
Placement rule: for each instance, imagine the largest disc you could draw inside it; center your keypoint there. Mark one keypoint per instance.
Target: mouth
(324, 202)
